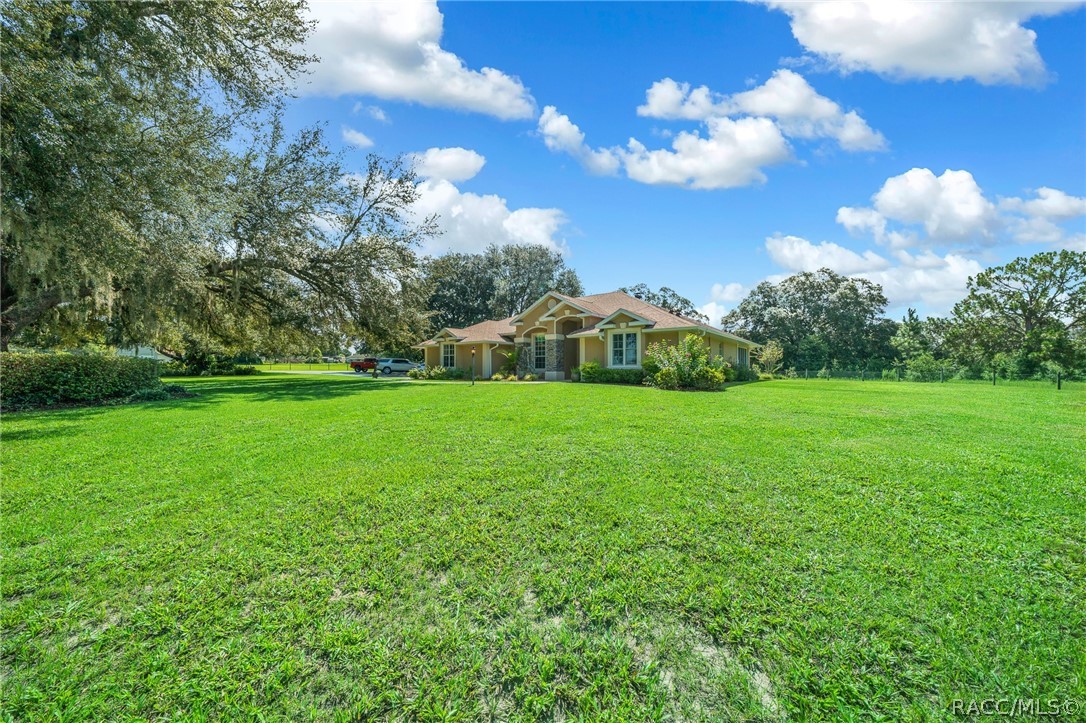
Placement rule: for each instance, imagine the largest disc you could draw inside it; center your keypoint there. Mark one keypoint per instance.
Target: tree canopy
(820, 318)
(1030, 312)
(129, 217)
(666, 298)
(465, 289)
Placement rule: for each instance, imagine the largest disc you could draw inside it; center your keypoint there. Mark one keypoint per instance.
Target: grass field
(340, 547)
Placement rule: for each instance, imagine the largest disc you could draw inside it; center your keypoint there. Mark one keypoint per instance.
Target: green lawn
(340, 547)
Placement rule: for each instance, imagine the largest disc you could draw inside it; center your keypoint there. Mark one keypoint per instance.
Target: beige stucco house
(558, 333)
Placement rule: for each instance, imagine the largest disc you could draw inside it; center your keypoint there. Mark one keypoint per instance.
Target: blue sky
(769, 138)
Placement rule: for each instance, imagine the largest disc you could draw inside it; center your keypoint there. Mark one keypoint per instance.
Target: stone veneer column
(556, 351)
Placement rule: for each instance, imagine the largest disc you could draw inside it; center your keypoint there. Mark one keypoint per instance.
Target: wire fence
(946, 375)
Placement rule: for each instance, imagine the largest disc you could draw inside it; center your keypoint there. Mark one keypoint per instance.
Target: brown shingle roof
(662, 319)
(602, 305)
(489, 330)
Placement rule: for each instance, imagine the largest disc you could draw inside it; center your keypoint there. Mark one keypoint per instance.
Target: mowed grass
(304, 547)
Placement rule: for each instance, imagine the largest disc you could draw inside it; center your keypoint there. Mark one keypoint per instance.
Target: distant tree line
(1021, 320)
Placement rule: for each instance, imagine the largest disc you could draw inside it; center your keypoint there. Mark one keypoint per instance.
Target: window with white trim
(540, 351)
(624, 349)
(448, 356)
(744, 361)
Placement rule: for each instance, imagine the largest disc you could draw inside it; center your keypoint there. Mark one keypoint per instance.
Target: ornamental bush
(686, 365)
(437, 373)
(38, 380)
(593, 373)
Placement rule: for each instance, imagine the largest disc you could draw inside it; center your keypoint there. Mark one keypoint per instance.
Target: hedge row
(38, 380)
(593, 373)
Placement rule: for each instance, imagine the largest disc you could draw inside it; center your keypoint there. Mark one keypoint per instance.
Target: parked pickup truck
(363, 364)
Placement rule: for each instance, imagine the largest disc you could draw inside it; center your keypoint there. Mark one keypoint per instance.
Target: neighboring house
(558, 333)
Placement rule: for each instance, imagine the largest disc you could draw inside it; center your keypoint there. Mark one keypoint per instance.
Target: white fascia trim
(627, 312)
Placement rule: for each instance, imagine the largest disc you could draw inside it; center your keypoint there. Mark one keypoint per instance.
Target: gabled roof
(604, 306)
(490, 331)
(574, 301)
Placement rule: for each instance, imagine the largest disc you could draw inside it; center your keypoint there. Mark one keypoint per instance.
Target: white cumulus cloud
(561, 134)
(356, 138)
(786, 97)
(951, 208)
(449, 164)
(722, 299)
(1048, 203)
(731, 154)
(985, 41)
(470, 222)
(794, 253)
(392, 49)
(907, 279)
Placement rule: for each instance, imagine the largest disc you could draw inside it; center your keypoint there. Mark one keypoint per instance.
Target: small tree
(770, 355)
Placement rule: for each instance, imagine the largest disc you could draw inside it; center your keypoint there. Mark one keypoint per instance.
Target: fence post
(806, 373)
(941, 375)
(993, 377)
(1059, 381)
(863, 373)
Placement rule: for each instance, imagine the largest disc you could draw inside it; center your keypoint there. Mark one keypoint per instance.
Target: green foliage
(437, 373)
(686, 365)
(35, 380)
(497, 377)
(152, 195)
(465, 289)
(770, 355)
(926, 368)
(512, 358)
(1023, 314)
(666, 298)
(819, 318)
(528, 377)
(593, 373)
(823, 373)
(150, 395)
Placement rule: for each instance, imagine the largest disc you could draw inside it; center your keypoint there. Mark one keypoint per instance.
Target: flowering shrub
(686, 365)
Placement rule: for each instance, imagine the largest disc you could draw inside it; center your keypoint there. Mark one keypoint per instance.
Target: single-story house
(558, 333)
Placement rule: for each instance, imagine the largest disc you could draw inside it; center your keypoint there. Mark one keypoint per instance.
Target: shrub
(509, 366)
(415, 374)
(205, 366)
(177, 391)
(497, 377)
(923, 368)
(33, 380)
(746, 374)
(790, 373)
(510, 377)
(439, 373)
(529, 377)
(686, 365)
(150, 395)
(764, 376)
(770, 355)
(823, 373)
(593, 373)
